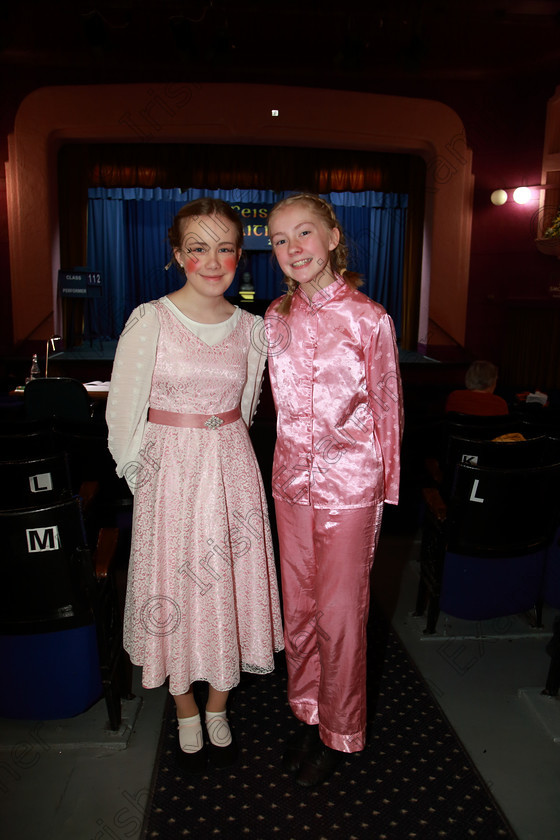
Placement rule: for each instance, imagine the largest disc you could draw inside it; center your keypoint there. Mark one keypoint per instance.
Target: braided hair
(338, 256)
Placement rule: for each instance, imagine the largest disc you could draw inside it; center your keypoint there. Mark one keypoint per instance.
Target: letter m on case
(42, 539)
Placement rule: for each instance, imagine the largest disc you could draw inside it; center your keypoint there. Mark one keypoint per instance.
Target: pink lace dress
(202, 597)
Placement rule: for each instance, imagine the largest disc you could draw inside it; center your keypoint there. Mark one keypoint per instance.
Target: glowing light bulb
(499, 197)
(522, 195)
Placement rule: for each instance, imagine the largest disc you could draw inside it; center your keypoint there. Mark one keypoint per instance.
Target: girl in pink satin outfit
(334, 373)
(202, 600)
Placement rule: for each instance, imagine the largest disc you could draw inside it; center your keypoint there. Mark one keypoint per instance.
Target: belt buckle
(213, 422)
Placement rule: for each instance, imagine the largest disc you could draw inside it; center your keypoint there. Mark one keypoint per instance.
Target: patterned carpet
(413, 781)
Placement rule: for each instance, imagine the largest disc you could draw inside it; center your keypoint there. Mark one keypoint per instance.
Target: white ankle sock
(218, 729)
(190, 734)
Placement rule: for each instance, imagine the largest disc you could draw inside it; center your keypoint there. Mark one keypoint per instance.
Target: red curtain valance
(212, 166)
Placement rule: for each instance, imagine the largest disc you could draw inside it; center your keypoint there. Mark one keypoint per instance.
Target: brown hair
(203, 207)
(338, 256)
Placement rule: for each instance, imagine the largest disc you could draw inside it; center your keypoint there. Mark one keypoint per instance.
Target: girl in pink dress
(202, 599)
(334, 373)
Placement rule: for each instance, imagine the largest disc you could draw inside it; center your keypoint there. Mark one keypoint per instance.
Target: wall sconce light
(499, 197)
(50, 344)
(521, 195)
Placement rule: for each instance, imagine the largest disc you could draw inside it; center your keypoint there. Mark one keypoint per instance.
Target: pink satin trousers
(326, 558)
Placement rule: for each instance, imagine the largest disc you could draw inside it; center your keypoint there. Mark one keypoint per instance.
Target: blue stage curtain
(127, 245)
(375, 224)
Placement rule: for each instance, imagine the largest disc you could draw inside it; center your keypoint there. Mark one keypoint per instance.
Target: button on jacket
(335, 378)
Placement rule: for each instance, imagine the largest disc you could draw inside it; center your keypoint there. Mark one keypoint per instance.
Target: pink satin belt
(193, 421)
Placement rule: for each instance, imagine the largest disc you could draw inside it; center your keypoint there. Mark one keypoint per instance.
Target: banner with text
(255, 225)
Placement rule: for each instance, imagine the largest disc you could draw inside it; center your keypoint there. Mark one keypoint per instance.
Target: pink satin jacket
(335, 379)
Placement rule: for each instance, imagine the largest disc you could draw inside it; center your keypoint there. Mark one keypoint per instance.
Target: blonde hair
(338, 256)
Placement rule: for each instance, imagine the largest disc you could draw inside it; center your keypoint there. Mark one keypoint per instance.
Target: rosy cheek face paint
(229, 263)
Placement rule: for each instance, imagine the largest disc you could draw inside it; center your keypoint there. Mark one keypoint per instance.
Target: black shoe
(302, 743)
(193, 763)
(318, 766)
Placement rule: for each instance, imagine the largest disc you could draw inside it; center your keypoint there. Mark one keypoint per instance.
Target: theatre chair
(85, 442)
(512, 454)
(34, 481)
(440, 454)
(539, 419)
(25, 439)
(64, 403)
(478, 427)
(56, 396)
(484, 556)
(60, 628)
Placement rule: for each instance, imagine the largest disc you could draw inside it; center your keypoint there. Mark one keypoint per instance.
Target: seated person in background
(479, 398)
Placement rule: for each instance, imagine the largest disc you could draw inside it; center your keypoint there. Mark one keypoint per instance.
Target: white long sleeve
(255, 371)
(131, 382)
